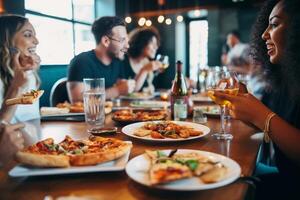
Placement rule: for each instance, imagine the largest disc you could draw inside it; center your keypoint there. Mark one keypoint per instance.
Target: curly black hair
(288, 73)
(139, 39)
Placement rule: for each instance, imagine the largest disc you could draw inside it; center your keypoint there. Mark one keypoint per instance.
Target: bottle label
(181, 106)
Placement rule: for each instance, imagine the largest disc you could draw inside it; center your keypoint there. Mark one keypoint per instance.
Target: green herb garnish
(192, 164)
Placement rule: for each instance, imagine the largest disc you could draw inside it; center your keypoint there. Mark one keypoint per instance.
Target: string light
(168, 21)
(148, 22)
(160, 19)
(179, 18)
(142, 21)
(128, 20)
(197, 13)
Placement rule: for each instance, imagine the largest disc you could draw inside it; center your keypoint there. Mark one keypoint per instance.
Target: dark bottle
(179, 92)
(198, 84)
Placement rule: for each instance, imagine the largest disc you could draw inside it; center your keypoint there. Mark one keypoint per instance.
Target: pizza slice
(26, 98)
(71, 152)
(44, 154)
(167, 168)
(168, 171)
(217, 173)
(164, 169)
(98, 150)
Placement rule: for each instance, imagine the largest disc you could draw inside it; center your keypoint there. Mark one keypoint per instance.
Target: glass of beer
(222, 80)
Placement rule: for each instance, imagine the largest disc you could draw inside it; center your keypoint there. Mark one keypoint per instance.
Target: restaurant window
(198, 30)
(62, 27)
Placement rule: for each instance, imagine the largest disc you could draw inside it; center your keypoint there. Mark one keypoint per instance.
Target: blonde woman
(18, 67)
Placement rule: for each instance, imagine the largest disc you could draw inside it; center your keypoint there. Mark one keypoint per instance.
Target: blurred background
(193, 31)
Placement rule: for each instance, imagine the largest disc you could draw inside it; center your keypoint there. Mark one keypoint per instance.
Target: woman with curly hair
(139, 63)
(18, 66)
(276, 46)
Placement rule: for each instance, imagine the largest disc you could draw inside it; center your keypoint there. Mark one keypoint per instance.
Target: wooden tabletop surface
(117, 185)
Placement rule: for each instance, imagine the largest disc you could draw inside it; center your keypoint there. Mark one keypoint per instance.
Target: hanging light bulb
(179, 18)
(160, 19)
(168, 21)
(197, 13)
(142, 21)
(128, 20)
(148, 22)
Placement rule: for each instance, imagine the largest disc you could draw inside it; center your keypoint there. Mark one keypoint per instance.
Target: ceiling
(137, 6)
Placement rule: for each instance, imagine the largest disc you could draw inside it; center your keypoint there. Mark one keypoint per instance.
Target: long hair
(10, 25)
(287, 73)
(139, 38)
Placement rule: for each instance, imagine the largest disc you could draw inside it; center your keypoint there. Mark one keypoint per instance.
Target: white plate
(150, 104)
(138, 167)
(115, 165)
(130, 129)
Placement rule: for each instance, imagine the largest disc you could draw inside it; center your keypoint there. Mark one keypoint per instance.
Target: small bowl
(103, 131)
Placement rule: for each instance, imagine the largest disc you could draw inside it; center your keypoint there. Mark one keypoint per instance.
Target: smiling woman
(276, 47)
(18, 65)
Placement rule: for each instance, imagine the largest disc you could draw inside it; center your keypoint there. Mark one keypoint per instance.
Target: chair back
(59, 92)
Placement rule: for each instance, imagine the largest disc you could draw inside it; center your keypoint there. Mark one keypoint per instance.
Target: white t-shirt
(24, 112)
(238, 55)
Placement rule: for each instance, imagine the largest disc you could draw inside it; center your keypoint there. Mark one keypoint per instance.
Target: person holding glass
(276, 45)
(140, 63)
(18, 67)
(103, 61)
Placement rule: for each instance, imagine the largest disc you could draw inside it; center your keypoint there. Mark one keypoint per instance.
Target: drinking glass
(225, 81)
(164, 59)
(94, 102)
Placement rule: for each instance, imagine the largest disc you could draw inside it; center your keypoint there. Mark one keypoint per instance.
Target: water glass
(199, 116)
(94, 102)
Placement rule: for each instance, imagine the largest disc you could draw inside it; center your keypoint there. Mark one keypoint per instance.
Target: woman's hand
(30, 62)
(242, 88)
(153, 66)
(11, 141)
(20, 77)
(246, 107)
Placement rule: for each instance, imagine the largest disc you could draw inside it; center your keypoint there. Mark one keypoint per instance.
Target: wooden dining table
(243, 148)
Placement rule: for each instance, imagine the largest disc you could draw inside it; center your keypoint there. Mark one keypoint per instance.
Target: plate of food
(183, 170)
(138, 96)
(26, 98)
(150, 104)
(67, 109)
(211, 110)
(130, 115)
(166, 131)
(72, 156)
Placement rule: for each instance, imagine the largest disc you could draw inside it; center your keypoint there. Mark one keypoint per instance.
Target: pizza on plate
(177, 166)
(78, 107)
(166, 129)
(139, 115)
(26, 98)
(71, 152)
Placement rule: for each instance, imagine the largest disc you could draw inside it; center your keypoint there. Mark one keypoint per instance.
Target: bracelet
(267, 127)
